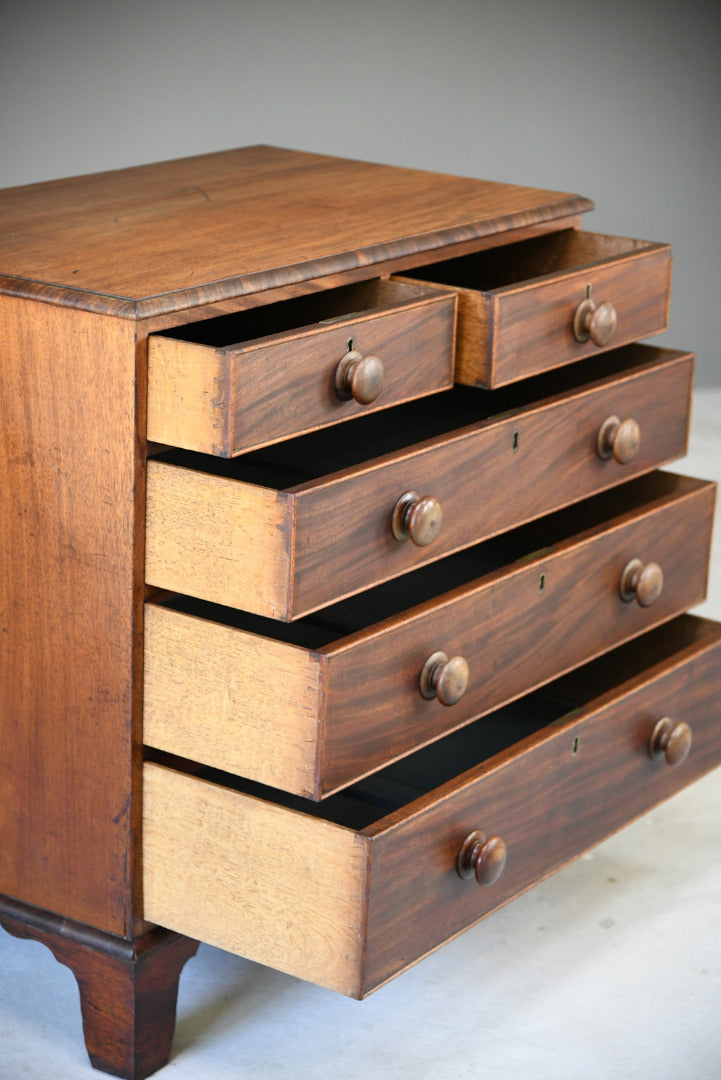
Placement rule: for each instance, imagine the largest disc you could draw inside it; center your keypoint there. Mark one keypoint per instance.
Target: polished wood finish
(263, 384)
(509, 328)
(128, 989)
(155, 312)
(417, 518)
(394, 882)
(595, 322)
(70, 597)
(548, 802)
(310, 543)
(670, 740)
(160, 238)
(482, 858)
(619, 439)
(359, 377)
(366, 696)
(642, 582)
(444, 678)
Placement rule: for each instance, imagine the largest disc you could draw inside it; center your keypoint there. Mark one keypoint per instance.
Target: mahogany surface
(128, 989)
(158, 238)
(331, 533)
(380, 859)
(550, 798)
(89, 268)
(71, 502)
(547, 598)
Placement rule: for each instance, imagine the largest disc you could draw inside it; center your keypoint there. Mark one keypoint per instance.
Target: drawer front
(349, 907)
(548, 805)
(285, 553)
(585, 292)
(374, 345)
(312, 720)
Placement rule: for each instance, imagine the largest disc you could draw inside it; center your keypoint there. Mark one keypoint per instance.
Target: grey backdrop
(616, 100)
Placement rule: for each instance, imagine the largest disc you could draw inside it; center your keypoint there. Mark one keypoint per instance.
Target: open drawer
(289, 529)
(348, 893)
(240, 381)
(544, 302)
(312, 706)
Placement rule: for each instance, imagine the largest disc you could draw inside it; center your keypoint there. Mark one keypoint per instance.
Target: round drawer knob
(359, 377)
(619, 439)
(444, 679)
(670, 739)
(642, 582)
(417, 518)
(481, 857)
(595, 321)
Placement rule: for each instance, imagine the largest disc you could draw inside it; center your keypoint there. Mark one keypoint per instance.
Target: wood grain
(511, 330)
(225, 399)
(540, 616)
(311, 722)
(161, 237)
(488, 477)
(247, 704)
(69, 603)
(227, 542)
(281, 888)
(362, 906)
(128, 989)
(547, 803)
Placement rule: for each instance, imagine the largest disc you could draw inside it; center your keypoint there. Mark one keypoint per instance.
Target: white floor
(611, 969)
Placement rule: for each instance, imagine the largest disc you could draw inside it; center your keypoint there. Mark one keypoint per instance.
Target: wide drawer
(240, 381)
(311, 707)
(292, 528)
(350, 897)
(550, 300)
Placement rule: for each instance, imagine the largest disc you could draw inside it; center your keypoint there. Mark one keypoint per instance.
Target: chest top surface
(156, 238)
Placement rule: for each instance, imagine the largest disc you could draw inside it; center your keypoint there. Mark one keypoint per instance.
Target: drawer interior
(570, 249)
(514, 728)
(358, 612)
(321, 453)
(271, 320)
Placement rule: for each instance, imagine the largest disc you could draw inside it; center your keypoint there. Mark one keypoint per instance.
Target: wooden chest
(342, 597)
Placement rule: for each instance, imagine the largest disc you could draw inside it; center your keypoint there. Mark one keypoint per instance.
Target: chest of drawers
(342, 596)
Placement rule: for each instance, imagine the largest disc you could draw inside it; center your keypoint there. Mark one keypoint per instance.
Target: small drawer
(290, 529)
(240, 381)
(547, 301)
(311, 707)
(349, 893)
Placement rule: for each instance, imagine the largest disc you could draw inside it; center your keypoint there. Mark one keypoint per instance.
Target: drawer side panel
(226, 542)
(189, 395)
(232, 700)
(280, 888)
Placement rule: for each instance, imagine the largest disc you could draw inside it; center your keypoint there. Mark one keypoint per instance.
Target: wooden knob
(359, 377)
(619, 439)
(444, 679)
(481, 857)
(417, 518)
(595, 321)
(670, 739)
(641, 582)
